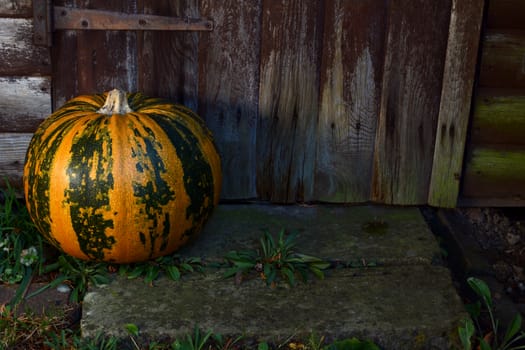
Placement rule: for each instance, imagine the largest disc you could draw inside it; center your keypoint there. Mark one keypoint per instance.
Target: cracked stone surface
(406, 301)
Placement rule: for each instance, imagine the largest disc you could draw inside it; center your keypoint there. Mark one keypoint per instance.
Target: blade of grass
(22, 289)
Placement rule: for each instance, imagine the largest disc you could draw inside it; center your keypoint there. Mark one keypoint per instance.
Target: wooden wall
(333, 101)
(25, 86)
(495, 164)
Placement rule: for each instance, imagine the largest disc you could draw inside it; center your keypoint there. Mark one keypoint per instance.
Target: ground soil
(501, 235)
(488, 244)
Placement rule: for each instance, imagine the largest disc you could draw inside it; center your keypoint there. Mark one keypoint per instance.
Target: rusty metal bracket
(48, 18)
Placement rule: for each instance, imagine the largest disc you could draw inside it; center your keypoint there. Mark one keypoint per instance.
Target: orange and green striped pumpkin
(121, 177)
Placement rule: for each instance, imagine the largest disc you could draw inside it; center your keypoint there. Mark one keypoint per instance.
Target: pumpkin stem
(116, 103)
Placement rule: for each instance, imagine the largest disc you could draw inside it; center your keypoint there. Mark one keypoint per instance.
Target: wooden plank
(351, 71)
(25, 102)
(15, 8)
(456, 94)
(17, 53)
(498, 117)
(97, 60)
(491, 202)
(288, 99)
(168, 61)
(411, 89)
(506, 14)
(13, 147)
(503, 59)
(106, 60)
(495, 171)
(65, 85)
(229, 90)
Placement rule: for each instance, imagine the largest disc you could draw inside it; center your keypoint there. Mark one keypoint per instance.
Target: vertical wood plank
(96, 61)
(107, 59)
(288, 99)
(458, 80)
(229, 88)
(168, 60)
(351, 71)
(65, 67)
(414, 61)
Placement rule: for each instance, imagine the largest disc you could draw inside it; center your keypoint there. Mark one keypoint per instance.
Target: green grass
(472, 334)
(275, 260)
(25, 256)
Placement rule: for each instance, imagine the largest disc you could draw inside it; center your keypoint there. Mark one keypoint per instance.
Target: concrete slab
(404, 303)
(385, 235)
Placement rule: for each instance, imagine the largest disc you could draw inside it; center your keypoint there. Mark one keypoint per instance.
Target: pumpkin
(121, 177)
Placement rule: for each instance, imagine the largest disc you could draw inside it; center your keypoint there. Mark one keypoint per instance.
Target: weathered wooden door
(334, 101)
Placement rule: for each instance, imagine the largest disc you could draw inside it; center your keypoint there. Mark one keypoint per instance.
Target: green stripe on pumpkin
(88, 197)
(198, 177)
(157, 193)
(40, 153)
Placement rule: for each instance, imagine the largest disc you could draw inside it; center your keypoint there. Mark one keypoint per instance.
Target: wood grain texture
(506, 14)
(168, 61)
(94, 61)
(498, 117)
(13, 147)
(16, 8)
(24, 103)
(288, 99)
(503, 59)
(351, 71)
(229, 90)
(335, 101)
(65, 82)
(456, 95)
(18, 55)
(413, 72)
(491, 202)
(494, 171)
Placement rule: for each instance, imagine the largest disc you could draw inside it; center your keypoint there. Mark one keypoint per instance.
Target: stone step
(404, 302)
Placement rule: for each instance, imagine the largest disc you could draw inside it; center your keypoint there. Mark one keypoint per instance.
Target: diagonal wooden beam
(454, 111)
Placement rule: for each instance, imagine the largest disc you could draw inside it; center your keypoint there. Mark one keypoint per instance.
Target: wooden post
(458, 79)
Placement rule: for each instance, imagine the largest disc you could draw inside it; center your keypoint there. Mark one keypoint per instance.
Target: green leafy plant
(69, 339)
(275, 258)
(77, 274)
(491, 340)
(195, 342)
(20, 244)
(352, 344)
(315, 342)
(173, 266)
(225, 343)
(263, 346)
